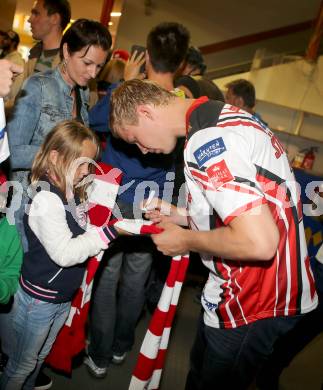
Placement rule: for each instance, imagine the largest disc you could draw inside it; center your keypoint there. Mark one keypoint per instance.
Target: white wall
(284, 92)
(287, 44)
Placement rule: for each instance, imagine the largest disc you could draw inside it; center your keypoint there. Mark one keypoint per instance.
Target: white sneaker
(97, 372)
(118, 359)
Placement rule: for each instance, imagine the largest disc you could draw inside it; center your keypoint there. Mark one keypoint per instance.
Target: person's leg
(216, 364)
(32, 322)
(287, 347)
(6, 326)
(60, 316)
(196, 357)
(259, 343)
(232, 357)
(131, 299)
(6, 336)
(103, 311)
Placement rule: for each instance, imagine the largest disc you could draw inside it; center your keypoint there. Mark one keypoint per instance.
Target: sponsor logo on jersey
(219, 174)
(209, 150)
(210, 305)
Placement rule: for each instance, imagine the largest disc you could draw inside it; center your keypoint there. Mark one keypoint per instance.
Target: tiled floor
(305, 372)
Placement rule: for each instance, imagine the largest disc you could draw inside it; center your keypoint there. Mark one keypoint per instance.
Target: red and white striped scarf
(71, 339)
(148, 369)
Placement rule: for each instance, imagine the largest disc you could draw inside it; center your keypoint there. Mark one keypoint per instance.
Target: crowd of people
(178, 142)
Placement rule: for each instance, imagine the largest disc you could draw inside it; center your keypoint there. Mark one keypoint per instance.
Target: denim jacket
(45, 100)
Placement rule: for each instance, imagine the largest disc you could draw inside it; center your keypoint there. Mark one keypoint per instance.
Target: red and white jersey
(233, 164)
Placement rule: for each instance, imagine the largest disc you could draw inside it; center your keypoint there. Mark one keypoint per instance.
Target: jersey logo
(234, 108)
(219, 174)
(209, 150)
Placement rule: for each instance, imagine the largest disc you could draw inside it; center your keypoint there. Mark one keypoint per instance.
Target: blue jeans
(230, 358)
(35, 325)
(119, 297)
(5, 326)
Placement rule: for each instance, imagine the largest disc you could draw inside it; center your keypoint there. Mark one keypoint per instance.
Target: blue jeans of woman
(229, 358)
(35, 325)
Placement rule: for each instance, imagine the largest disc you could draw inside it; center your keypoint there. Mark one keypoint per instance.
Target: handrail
(245, 66)
(252, 38)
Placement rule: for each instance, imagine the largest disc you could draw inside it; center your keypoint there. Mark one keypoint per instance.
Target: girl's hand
(132, 68)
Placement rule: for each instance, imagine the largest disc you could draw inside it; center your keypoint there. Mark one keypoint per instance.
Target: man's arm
(252, 236)
(7, 72)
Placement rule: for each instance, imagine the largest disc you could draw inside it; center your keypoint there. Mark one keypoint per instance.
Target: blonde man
(238, 180)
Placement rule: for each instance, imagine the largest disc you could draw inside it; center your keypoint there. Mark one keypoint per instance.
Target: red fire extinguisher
(309, 158)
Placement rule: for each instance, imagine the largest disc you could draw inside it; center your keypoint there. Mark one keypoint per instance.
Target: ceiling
(209, 21)
(212, 20)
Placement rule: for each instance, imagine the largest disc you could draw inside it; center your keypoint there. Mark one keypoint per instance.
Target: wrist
(110, 233)
(188, 237)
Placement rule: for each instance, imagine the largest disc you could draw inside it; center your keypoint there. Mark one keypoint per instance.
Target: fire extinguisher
(309, 158)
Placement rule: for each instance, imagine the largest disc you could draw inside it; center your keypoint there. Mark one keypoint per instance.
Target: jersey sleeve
(220, 165)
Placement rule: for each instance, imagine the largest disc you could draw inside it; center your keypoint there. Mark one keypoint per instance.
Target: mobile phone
(139, 49)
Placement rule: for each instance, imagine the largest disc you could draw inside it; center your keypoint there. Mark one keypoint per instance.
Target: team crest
(219, 174)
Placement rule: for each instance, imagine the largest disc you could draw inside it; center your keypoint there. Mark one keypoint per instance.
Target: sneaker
(43, 381)
(93, 369)
(118, 358)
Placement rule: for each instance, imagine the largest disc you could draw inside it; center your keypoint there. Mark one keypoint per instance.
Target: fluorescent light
(26, 25)
(115, 14)
(17, 21)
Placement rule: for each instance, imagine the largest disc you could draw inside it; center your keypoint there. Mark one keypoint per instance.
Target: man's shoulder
(206, 115)
(16, 58)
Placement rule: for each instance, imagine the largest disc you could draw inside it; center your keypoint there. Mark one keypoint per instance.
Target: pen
(149, 199)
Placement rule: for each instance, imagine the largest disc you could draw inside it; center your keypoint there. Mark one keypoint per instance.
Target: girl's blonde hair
(67, 139)
(113, 71)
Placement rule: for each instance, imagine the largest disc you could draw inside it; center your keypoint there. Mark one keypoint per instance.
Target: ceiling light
(115, 14)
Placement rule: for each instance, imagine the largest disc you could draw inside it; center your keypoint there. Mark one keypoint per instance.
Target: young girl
(50, 97)
(53, 267)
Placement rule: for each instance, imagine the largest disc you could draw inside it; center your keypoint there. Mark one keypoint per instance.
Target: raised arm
(7, 71)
